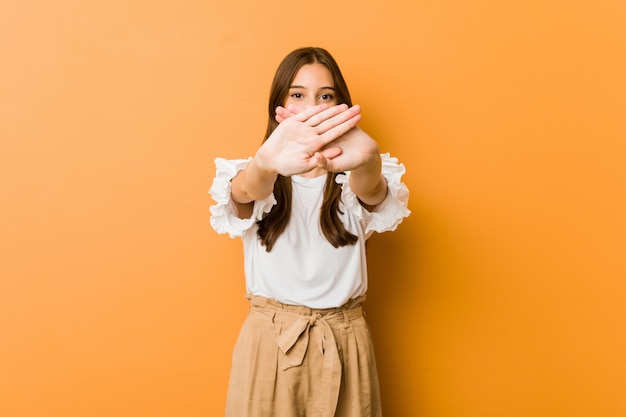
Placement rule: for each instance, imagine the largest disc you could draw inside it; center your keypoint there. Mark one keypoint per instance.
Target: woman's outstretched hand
(302, 141)
(357, 150)
(346, 152)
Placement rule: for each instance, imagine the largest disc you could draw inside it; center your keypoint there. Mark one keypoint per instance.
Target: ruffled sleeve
(388, 214)
(224, 218)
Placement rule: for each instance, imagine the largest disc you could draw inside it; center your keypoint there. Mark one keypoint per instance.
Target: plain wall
(502, 295)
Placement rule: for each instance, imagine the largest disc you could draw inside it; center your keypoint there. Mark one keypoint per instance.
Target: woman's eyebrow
(321, 88)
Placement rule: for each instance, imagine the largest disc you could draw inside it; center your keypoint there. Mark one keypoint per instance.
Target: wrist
(371, 165)
(263, 163)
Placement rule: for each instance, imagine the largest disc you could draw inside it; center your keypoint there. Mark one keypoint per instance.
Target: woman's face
(312, 85)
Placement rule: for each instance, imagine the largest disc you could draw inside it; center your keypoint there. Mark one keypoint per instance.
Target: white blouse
(303, 268)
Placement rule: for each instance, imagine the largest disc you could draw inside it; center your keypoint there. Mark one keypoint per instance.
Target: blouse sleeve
(224, 217)
(388, 214)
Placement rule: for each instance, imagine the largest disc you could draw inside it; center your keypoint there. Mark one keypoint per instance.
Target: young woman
(304, 206)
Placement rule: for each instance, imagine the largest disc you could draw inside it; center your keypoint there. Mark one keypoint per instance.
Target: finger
(306, 114)
(320, 160)
(337, 131)
(320, 117)
(331, 152)
(293, 109)
(326, 163)
(287, 112)
(282, 114)
(340, 118)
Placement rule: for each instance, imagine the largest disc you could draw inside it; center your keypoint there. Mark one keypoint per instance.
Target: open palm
(300, 143)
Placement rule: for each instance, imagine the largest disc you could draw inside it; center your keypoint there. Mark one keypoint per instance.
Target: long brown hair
(275, 222)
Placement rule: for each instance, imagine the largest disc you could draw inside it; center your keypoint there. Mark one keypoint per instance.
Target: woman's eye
(296, 95)
(326, 97)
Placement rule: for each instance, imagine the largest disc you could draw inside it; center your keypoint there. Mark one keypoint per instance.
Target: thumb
(331, 152)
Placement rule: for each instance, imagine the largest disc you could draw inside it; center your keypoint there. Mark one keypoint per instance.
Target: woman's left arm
(368, 183)
(360, 155)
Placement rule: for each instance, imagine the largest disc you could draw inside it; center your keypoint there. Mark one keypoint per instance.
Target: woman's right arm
(253, 183)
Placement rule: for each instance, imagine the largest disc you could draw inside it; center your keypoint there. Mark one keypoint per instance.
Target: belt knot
(294, 343)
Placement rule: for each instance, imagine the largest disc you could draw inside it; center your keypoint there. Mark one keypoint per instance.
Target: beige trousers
(293, 361)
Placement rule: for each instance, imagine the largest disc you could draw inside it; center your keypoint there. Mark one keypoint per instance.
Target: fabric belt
(312, 325)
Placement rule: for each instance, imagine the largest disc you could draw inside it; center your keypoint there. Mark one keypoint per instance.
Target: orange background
(503, 293)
